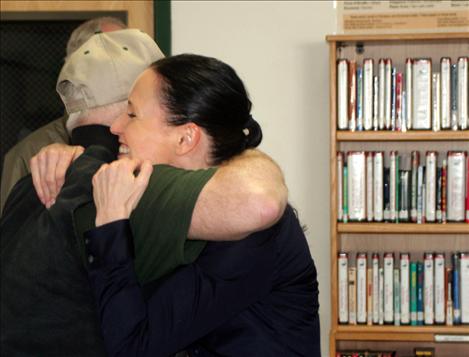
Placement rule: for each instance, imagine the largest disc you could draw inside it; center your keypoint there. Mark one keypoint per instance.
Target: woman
(254, 297)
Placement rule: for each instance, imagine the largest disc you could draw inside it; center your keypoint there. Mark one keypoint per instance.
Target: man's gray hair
(87, 29)
(103, 115)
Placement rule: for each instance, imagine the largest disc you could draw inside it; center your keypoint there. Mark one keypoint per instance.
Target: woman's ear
(189, 137)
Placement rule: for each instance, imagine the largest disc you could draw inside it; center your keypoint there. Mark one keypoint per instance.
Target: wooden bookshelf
(381, 237)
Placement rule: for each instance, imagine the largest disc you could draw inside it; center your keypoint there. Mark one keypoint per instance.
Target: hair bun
(253, 133)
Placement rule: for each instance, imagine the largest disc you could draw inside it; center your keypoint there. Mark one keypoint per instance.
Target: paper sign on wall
(402, 16)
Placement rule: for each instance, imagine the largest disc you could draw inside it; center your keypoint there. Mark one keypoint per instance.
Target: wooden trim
(392, 228)
(333, 187)
(425, 135)
(398, 37)
(162, 11)
(139, 12)
(396, 333)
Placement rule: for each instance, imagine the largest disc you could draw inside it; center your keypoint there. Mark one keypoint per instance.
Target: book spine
(421, 93)
(393, 98)
(397, 298)
(449, 296)
(456, 182)
(378, 162)
(420, 287)
(340, 181)
(352, 295)
(415, 157)
(445, 77)
(343, 287)
(436, 118)
(388, 288)
(454, 97)
(369, 186)
(369, 296)
(464, 272)
(376, 291)
(388, 94)
(428, 289)
(359, 98)
(342, 94)
(381, 296)
(405, 288)
(440, 305)
(352, 91)
(413, 294)
(456, 289)
(462, 93)
(368, 94)
(408, 91)
(430, 185)
(361, 287)
(356, 162)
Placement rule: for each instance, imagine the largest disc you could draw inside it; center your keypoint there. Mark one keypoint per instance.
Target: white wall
(279, 50)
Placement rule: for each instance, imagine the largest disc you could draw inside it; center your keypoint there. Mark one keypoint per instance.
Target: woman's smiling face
(143, 131)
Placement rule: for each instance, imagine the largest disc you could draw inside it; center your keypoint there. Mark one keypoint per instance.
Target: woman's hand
(48, 168)
(117, 190)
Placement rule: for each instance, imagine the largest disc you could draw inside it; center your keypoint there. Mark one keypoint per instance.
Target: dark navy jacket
(254, 297)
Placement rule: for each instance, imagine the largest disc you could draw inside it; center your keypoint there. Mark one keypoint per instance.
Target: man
(16, 161)
(46, 303)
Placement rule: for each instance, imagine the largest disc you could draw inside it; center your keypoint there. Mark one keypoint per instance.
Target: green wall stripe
(162, 11)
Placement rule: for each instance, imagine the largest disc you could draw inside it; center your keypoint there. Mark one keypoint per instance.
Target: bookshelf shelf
(426, 135)
(410, 228)
(397, 333)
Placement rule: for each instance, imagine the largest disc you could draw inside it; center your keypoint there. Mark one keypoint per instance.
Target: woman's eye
(131, 115)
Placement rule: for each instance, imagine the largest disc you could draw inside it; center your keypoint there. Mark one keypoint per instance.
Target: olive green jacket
(16, 162)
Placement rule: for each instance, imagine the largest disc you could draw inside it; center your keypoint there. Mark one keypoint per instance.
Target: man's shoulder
(53, 132)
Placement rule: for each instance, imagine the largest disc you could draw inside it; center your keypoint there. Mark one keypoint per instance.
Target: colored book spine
(359, 98)
(420, 287)
(456, 289)
(454, 97)
(413, 294)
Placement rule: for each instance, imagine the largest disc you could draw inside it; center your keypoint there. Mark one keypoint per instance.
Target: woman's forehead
(145, 86)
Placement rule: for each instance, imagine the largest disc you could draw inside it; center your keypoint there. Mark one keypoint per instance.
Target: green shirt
(160, 222)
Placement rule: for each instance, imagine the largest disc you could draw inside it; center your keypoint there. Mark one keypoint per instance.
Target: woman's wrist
(110, 215)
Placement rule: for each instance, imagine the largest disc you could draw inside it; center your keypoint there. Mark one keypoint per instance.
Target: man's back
(47, 307)
(16, 161)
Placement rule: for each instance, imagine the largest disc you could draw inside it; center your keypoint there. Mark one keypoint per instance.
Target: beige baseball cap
(103, 69)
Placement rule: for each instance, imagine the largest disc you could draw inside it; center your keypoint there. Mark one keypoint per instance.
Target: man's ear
(189, 137)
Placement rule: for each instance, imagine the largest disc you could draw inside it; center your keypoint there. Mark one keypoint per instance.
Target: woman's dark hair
(209, 93)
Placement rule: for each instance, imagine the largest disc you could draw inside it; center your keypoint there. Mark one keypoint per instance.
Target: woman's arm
(188, 304)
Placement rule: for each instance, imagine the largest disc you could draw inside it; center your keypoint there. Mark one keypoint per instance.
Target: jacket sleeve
(182, 307)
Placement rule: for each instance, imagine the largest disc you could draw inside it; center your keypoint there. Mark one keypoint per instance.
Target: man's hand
(48, 168)
(117, 190)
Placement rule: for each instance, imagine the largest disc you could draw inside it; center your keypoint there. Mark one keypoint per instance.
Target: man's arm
(245, 195)
(14, 168)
